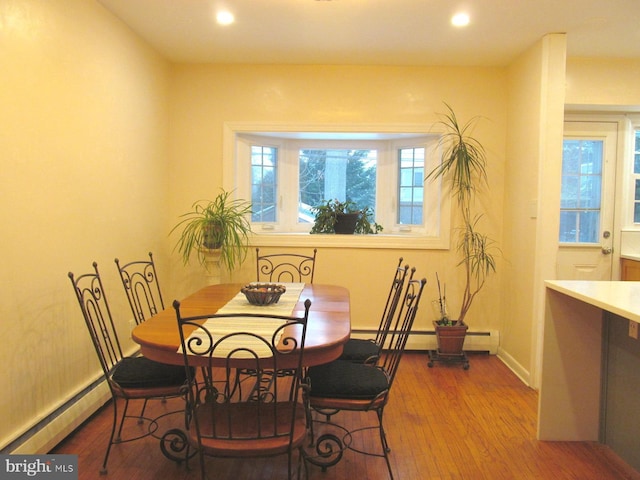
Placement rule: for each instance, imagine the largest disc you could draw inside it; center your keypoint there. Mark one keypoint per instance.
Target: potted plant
(463, 170)
(343, 217)
(220, 224)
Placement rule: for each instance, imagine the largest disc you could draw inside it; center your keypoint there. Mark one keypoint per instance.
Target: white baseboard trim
(522, 373)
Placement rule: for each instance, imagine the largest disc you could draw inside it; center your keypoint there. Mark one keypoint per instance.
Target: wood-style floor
(442, 423)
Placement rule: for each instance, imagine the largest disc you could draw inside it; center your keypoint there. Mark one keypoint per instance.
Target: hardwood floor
(442, 423)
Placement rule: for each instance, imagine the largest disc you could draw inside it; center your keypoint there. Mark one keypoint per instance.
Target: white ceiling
(378, 32)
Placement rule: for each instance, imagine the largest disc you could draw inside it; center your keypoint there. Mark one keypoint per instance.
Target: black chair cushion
(141, 372)
(359, 350)
(344, 379)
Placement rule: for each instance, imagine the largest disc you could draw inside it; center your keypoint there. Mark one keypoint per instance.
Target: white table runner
(285, 306)
(262, 327)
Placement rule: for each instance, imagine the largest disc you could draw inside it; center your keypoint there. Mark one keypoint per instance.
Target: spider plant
(215, 224)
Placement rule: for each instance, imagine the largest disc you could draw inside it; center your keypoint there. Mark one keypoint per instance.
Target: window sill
(381, 240)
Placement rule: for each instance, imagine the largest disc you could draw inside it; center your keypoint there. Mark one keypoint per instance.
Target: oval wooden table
(328, 328)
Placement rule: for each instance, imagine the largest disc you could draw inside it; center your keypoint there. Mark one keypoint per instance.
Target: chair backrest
(97, 316)
(140, 282)
(258, 375)
(285, 267)
(393, 299)
(401, 328)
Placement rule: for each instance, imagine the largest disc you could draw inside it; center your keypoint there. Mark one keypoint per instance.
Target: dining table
(328, 325)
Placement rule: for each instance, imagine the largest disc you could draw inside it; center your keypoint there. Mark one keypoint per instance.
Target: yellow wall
(603, 82)
(532, 187)
(84, 177)
(205, 96)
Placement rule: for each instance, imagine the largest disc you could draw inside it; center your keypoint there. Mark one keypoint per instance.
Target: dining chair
(235, 415)
(141, 284)
(344, 385)
(285, 267)
(128, 378)
(365, 350)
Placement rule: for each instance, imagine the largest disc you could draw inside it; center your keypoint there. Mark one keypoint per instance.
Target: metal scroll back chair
(362, 350)
(129, 378)
(344, 385)
(234, 415)
(141, 284)
(285, 267)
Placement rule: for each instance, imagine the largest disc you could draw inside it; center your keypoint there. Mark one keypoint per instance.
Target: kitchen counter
(621, 298)
(585, 342)
(630, 244)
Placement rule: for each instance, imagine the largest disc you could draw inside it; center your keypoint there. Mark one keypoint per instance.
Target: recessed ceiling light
(460, 19)
(225, 17)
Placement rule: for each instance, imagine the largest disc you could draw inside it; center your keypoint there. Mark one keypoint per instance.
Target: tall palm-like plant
(463, 165)
(218, 224)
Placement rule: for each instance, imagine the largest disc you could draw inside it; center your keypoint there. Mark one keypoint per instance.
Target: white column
(212, 265)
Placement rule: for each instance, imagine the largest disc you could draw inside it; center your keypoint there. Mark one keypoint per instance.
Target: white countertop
(630, 244)
(621, 298)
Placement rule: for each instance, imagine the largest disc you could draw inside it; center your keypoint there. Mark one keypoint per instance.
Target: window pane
(327, 174)
(590, 191)
(568, 227)
(411, 186)
(570, 191)
(636, 203)
(636, 154)
(589, 227)
(264, 167)
(581, 191)
(571, 157)
(591, 157)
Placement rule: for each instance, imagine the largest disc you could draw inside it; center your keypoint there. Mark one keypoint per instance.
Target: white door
(587, 201)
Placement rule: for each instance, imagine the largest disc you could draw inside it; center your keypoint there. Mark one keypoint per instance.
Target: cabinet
(630, 270)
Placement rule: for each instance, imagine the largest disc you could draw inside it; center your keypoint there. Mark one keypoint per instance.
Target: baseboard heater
(47, 431)
(475, 340)
(52, 428)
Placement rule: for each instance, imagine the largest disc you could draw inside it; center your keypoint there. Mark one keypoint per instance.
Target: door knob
(607, 250)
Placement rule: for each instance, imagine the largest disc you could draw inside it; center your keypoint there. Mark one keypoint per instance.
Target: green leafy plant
(366, 224)
(463, 166)
(326, 216)
(215, 224)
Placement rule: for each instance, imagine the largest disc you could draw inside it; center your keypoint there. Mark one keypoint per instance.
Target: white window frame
(631, 175)
(236, 178)
(433, 209)
(625, 181)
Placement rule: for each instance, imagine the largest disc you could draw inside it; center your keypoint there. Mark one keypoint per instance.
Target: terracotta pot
(450, 338)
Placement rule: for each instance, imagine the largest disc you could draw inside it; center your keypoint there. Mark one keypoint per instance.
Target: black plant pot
(346, 223)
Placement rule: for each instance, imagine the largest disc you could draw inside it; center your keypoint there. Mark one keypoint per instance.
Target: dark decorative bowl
(263, 293)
